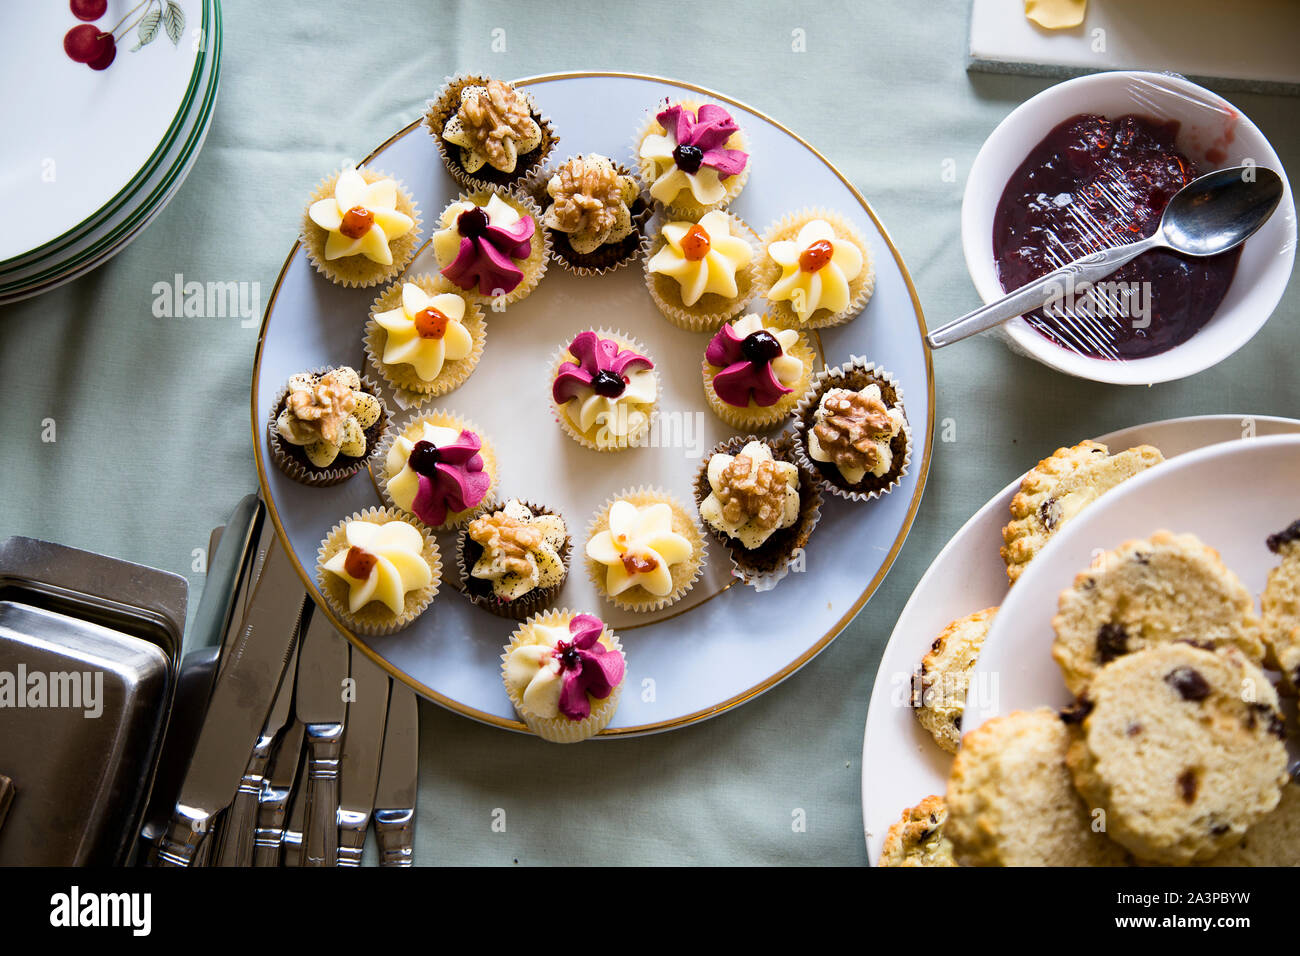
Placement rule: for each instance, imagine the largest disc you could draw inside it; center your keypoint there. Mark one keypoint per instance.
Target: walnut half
(328, 401)
(508, 540)
(752, 491)
(853, 428)
(587, 196)
(494, 117)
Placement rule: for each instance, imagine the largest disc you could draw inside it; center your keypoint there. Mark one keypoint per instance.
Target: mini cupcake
(513, 560)
(755, 499)
(702, 273)
(755, 373)
(564, 675)
(424, 337)
(852, 430)
(693, 158)
(644, 551)
(361, 228)
(489, 244)
(324, 426)
(604, 388)
(439, 468)
(815, 270)
(489, 133)
(594, 214)
(377, 571)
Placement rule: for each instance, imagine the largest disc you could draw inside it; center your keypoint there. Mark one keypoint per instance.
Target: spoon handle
(1033, 295)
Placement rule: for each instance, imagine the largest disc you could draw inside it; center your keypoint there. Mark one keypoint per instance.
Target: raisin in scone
(1273, 841)
(940, 683)
(1011, 801)
(917, 839)
(1059, 488)
(1281, 604)
(1145, 593)
(1182, 747)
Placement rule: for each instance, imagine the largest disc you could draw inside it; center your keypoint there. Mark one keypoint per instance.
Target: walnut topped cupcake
(324, 425)
(514, 559)
(594, 212)
(488, 132)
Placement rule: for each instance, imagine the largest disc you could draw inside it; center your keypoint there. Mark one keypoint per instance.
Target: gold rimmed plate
(721, 645)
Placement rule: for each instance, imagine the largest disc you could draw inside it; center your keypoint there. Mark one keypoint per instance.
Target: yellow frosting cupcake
(702, 273)
(644, 551)
(361, 228)
(815, 270)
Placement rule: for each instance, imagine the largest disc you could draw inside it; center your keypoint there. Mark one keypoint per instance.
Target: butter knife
(399, 770)
(272, 805)
(321, 708)
(363, 740)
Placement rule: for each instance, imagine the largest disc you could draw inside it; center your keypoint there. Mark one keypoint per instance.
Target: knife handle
(352, 837)
(180, 842)
(268, 835)
(237, 830)
(320, 832)
(396, 832)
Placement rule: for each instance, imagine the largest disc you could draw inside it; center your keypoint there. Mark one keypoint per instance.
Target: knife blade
(268, 840)
(241, 701)
(399, 770)
(321, 707)
(363, 740)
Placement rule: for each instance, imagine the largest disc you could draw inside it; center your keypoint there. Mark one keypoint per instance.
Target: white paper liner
(562, 419)
(322, 477)
(767, 272)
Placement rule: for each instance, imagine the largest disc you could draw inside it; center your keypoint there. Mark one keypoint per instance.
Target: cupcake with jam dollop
(760, 504)
(594, 214)
(852, 430)
(424, 337)
(604, 389)
(755, 373)
(361, 228)
(438, 468)
(644, 551)
(563, 673)
(693, 158)
(815, 270)
(701, 273)
(514, 559)
(325, 424)
(489, 244)
(377, 571)
(489, 133)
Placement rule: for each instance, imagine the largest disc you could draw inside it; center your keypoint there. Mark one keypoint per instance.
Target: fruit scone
(1061, 486)
(917, 838)
(940, 683)
(1166, 588)
(1183, 750)
(1273, 841)
(1011, 800)
(1281, 605)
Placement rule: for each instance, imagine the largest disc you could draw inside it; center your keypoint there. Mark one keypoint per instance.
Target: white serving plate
(900, 762)
(98, 129)
(718, 647)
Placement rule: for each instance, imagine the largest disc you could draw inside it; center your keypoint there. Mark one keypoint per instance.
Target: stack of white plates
(89, 156)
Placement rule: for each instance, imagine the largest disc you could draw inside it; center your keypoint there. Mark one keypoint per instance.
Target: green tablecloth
(151, 414)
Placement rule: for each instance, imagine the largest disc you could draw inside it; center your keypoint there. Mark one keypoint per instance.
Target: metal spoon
(1211, 214)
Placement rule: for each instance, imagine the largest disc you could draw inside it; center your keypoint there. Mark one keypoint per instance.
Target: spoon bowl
(1220, 210)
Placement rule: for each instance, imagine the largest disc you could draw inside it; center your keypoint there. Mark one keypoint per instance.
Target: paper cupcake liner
(561, 356)
(711, 310)
(534, 600)
(374, 619)
(307, 474)
(855, 374)
(560, 729)
(410, 426)
(533, 268)
(357, 271)
(607, 258)
(684, 204)
(757, 417)
(411, 390)
(767, 272)
(684, 576)
(765, 566)
(442, 107)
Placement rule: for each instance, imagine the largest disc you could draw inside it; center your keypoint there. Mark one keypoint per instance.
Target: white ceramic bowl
(1213, 133)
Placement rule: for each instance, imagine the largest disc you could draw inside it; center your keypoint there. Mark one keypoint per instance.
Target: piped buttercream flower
(381, 563)
(360, 218)
(692, 153)
(478, 246)
(639, 548)
(602, 377)
(816, 269)
(564, 667)
(703, 257)
(756, 362)
(425, 331)
(439, 474)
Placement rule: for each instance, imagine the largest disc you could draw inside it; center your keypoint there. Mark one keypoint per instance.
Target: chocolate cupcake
(325, 424)
(488, 133)
(514, 559)
(594, 214)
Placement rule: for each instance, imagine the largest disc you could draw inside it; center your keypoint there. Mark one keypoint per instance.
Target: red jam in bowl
(1091, 183)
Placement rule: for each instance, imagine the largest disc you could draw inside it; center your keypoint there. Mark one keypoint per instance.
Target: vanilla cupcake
(702, 273)
(490, 244)
(563, 672)
(852, 431)
(815, 270)
(325, 425)
(760, 504)
(488, 132)
(603, 389)
(595, 215)
(644, 551)
(377, 571)
(755, 373)
(513, 560)
(424, 337)
(693, 158)
(361, 228)
(438, 468)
